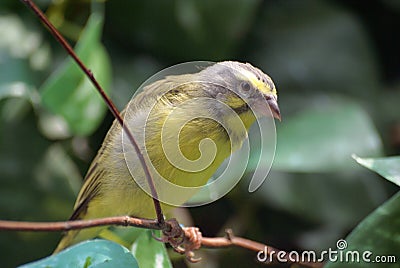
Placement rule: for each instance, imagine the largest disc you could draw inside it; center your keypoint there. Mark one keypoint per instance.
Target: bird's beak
(273, 105)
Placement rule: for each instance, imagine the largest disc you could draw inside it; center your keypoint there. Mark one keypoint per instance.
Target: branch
(78, 224)
(110, 104)
(232, 240)
(188, 240)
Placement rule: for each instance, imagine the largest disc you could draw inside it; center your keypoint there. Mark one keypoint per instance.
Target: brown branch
(191, 239)
(79, 224)
(232, 240)
(110, 104)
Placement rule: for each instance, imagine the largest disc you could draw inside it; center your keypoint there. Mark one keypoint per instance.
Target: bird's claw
(193, 239)
(183, 240)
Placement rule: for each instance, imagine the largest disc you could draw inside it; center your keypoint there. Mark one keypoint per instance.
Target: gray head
(247, 81)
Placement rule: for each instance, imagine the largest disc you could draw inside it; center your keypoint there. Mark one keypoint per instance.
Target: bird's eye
(245, 86)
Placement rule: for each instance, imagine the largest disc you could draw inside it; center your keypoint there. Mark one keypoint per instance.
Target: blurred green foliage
(70, 94)
(339, 86)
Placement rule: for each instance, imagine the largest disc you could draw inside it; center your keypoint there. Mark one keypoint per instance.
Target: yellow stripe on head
(260, 81)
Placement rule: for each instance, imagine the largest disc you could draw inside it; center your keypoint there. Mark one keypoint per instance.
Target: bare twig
(110, 104)
(77, 224)
(232, 240)
(192, 236)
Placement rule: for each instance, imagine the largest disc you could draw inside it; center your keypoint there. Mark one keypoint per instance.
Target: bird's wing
(90, 187)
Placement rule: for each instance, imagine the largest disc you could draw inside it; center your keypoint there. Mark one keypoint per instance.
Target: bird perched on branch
(173, 119)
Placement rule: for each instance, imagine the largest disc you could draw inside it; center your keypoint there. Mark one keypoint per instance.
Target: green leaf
(388, 167)
(378, 233)
(150, 252)
(324, 136)
(93, 253)
(69, 93)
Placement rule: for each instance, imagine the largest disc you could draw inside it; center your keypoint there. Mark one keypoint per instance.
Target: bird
(195, 105)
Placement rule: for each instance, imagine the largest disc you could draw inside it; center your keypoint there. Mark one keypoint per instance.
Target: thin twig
(110, 104)
(232, 240)
(78, 224)
(211, 242)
